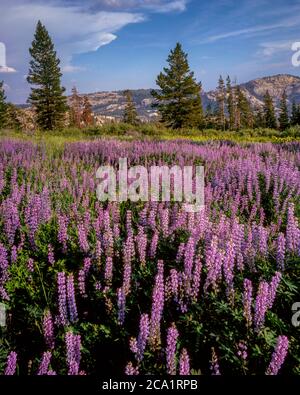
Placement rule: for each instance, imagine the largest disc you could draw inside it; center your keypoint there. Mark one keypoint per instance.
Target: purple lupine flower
(164, 222)
(30, 265)
(180, 252)
(108, 270)
(214, 363)
(63, 230)
(98, 251)
(173, 284)
(44, 365)
(87, 263)
(82, 238)
(133, 345)
(73, 343)
(280, 253)
(11, 219)
(48, 330)
(14, 254)
(171, 349)
(242, 351)
(51, 258)
(121, 305)
(71, 298)
(189, 257)
(62, 298)
(247, 301)
(184, 363)
(292, 230)
(196, 278)
(228, 267)
(157, 306)
(261, 305)
(11, 364)
(130, 370)
(278, 356)
(143, 336)
(153, 245)
(127, 278)
(214, 270)
(273, 288)
(81, 282)
(51, 373)
(141, 241)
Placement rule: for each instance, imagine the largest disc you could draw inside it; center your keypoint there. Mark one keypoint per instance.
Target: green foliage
(3, 106)
(284, 115)
(130, 114)
(179, 100)
(269, 112)
(47, 96)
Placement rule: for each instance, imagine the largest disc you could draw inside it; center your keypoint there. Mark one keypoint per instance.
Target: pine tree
(209, 118)
(284, 115)
(44, 73)
(244, 110)
(269, 112)
(130, 113)
(3, 106)
(75, 108)
(295, 115)
(179, 100)
(230, 103)
(87, 112)
(221, 96)
(259, 119)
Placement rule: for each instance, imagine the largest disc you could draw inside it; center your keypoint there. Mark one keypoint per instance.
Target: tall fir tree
(47, 96)
(76, 103)
(295, 114)
(244, 110)
(3, 106)
(179, 99)
(87, 112)
(259, 119)
(130, 114)
(284, 114)
(230, 103)
(269, 112)
(221, 97)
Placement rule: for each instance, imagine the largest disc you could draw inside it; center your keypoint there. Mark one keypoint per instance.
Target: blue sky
(119, 44)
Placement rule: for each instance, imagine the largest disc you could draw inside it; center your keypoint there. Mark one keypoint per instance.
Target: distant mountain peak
(111, 104)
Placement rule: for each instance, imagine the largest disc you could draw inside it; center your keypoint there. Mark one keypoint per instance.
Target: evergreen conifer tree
(221, 96)
(130, 113)
(284, 115)
(44, 74)
(295, 115)
(75, 108)
(178, 100)
(230, 103)
(269, 112)
(3, 106)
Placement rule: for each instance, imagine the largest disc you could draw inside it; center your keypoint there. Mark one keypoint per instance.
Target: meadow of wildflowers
(139, 288)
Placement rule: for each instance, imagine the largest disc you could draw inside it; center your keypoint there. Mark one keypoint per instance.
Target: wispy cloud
(73, 29)
(275, 47)
(162, 6)
(243, 32)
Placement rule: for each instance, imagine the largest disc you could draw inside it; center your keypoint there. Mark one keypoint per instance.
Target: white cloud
(5, 70)
(275, 47)
(151, 5)
(74, 29)
(72, 69)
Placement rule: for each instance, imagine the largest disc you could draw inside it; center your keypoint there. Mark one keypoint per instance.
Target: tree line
(178, 99)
